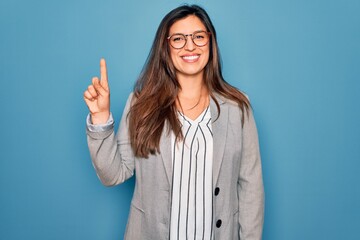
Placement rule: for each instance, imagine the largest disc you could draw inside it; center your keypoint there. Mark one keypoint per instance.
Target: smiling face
(191, 59)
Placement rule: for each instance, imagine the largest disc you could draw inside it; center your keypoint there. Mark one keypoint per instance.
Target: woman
(189, 135)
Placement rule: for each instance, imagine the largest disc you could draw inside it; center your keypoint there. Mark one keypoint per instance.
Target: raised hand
(97, 96)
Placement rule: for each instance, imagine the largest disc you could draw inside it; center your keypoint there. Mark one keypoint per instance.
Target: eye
(199, 36)
(177, 38)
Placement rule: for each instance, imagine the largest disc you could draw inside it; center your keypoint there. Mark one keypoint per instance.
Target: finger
(103, 74)
(88, 102)
(92, 91)
(87, 96)
(98, 88)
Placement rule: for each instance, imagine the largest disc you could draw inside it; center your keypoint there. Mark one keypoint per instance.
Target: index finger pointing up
(103, 74)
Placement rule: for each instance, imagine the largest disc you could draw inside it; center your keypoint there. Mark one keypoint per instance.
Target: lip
(190, 58)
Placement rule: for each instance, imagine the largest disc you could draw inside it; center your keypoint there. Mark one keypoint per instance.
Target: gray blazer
(238, 200)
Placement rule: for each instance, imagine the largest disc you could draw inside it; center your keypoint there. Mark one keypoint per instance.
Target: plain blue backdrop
(299, 61)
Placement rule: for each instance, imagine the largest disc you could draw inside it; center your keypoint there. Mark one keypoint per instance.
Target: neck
(191, 86)
(193, 95)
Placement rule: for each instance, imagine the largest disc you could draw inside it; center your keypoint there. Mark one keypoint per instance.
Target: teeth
(191, 57)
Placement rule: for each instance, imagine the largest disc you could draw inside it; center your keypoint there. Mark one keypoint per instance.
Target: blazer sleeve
(111, 153)
(250, 184)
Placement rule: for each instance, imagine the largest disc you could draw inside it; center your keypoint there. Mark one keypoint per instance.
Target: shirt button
(217, 190)
(218, 223)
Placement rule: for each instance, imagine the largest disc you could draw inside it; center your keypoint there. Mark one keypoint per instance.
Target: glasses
(179, 40)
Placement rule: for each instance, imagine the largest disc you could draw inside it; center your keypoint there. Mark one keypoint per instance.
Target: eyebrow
(201, 30)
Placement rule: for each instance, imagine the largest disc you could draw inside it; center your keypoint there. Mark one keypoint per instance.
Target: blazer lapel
(165, 152)
(219, 128)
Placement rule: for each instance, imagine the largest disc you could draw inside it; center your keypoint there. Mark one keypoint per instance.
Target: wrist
(100, 118)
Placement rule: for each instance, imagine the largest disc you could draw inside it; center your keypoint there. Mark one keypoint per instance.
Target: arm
(111, 154)
(250, 184)
(99, 127)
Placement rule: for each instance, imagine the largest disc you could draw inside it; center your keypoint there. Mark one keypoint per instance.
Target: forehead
(186, 25)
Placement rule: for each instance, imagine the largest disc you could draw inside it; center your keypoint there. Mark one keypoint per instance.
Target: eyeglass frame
(192, 38)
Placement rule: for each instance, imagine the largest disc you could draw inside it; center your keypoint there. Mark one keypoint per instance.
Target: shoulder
(228, 103)
(131, 99)
(131, 96)
(234, 113)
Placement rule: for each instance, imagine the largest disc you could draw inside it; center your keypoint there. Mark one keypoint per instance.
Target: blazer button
(217, 190)
(218, 223)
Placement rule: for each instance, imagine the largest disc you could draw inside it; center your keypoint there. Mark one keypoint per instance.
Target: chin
(191, 71)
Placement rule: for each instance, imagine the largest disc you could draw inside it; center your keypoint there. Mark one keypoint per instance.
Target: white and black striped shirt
(192, 159)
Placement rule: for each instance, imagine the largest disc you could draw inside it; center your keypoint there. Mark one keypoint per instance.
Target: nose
(190, 46)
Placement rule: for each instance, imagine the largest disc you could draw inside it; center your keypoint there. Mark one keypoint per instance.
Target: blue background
(299, 61)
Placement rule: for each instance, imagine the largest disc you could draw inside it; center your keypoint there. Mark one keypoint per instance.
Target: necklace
(188, 109)
(195, 104)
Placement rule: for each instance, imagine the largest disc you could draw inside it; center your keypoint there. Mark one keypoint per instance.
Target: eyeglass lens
(199, 39)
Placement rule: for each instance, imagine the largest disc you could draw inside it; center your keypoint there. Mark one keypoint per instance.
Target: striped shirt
(192, 158)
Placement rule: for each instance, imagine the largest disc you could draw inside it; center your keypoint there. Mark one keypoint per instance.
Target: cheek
(207, 56)
(206, 53)
(173, 56)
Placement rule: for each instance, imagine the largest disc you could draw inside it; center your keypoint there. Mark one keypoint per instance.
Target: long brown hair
(156, 89)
